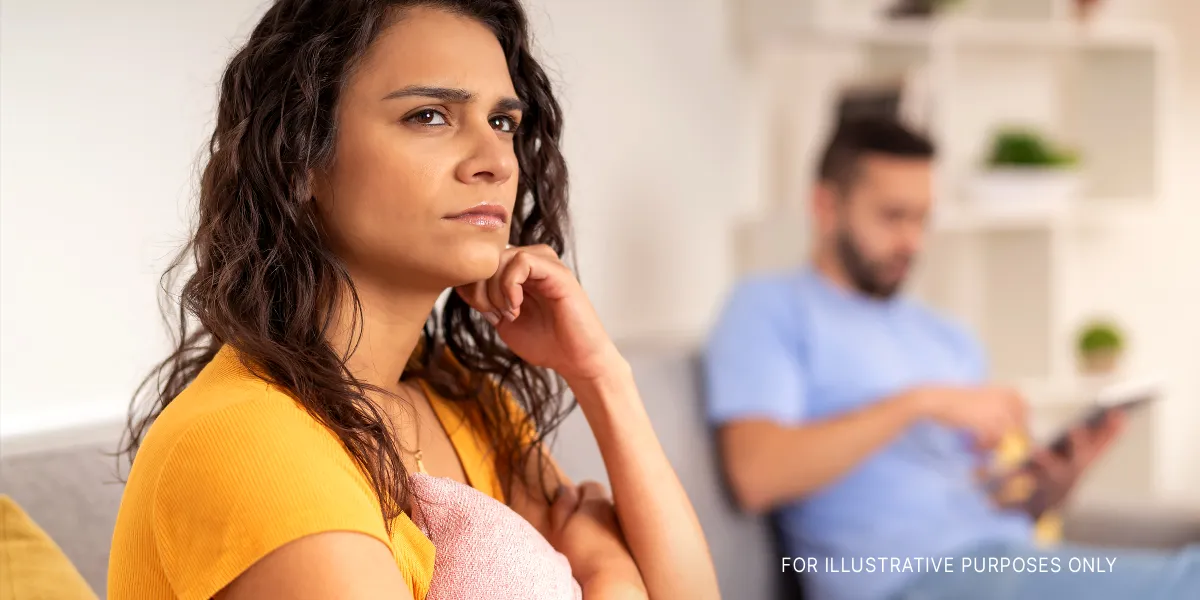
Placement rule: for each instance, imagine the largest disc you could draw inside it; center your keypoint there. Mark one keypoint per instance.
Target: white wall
(659, 139)
(1174, 255)
(104, 108)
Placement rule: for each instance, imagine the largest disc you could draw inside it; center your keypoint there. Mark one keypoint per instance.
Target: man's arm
(768, 464)
(757, 386)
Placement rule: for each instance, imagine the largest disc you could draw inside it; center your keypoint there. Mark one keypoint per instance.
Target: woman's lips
(484, 216)
(479, 220)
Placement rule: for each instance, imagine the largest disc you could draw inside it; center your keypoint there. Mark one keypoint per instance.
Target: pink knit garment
(483, 550)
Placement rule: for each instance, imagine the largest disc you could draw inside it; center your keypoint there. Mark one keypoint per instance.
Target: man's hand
(1055, 475)
(988, 413)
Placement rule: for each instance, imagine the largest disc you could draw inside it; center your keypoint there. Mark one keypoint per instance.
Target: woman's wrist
(612, 374)
(618, 580)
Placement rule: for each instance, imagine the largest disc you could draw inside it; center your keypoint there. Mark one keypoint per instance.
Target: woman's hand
(542, 314)
(583, 526)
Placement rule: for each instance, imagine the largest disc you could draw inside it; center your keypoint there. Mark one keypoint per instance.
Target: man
(862, 418)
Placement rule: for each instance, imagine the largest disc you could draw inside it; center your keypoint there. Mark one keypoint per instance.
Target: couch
(66, 481)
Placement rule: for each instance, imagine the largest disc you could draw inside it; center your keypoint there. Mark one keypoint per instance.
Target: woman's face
(424, 179)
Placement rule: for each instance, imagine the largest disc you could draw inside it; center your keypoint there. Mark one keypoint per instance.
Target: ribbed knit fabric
(485, 550)
(234, 469)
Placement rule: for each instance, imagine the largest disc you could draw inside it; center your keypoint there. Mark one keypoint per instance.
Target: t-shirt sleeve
(246, 480)
(752, 360)
(976, 358)
(970, 351)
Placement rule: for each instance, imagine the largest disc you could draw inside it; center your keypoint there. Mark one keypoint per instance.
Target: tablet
(1124, 397)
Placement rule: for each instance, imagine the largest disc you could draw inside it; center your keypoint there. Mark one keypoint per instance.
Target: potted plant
(1100, 346)
(1026, 173)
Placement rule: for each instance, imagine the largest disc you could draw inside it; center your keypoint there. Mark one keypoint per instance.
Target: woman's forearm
(617, 587)
(659, 523)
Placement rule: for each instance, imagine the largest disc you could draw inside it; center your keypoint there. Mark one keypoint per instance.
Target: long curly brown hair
(263, 281)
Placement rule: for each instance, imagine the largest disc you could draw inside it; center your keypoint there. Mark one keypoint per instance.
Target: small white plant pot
(1025, 191)
(1099, 362)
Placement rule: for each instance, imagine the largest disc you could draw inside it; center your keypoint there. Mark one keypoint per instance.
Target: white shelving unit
(1104, 87)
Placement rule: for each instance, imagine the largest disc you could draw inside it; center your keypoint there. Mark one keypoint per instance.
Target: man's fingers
(988, 437)
(1017, 411)
(1115, 424)
(1053, 467)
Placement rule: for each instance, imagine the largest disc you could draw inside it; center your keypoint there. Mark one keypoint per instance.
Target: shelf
(1090, 214)
(1063, 392)
(966, 34)
(966, 220)
(975, 33)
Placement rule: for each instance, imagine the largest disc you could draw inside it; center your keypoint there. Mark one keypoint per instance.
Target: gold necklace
(417, 456)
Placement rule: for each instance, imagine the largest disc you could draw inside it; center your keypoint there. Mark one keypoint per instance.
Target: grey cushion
(1148, 525)
(73, 494)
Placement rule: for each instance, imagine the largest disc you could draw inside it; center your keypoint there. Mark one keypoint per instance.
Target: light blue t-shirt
(795, 348)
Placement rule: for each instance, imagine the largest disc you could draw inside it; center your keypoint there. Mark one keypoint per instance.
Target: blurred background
(1065, 236)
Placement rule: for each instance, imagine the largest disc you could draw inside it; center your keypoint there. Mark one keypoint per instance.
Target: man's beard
(863, 272)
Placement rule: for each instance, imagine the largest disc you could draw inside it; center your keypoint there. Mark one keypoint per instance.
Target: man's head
(874, 193)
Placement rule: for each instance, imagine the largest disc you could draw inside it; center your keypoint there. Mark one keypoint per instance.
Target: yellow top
(234, 468)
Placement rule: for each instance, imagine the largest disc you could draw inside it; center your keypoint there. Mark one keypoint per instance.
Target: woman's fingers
(536, 265)
(501, 285)
(590, 491)
(483, 296)
(503, 293)
(564, 506)
(475, 295)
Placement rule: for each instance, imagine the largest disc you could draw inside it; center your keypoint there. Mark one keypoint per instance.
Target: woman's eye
(428, 117)
(503, 123)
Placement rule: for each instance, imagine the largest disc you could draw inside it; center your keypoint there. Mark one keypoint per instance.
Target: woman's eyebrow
(511, 104)
(453, 95)
(444, 94)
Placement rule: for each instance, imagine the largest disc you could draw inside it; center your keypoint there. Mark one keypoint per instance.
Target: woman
(368, 156)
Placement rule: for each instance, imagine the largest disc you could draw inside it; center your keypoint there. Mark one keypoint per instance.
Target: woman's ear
(318, 185)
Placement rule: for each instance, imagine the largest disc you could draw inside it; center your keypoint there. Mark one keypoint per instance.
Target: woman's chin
(475, 262)
(455, 264)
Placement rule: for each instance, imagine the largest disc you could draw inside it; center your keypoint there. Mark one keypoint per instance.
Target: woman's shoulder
(231, 435)
(234, 457)
(226, 402)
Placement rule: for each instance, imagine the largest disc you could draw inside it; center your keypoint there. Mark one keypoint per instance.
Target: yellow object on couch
(32, 566)
(1012, 451)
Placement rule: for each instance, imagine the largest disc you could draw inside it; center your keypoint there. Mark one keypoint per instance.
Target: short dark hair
(857, 138)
